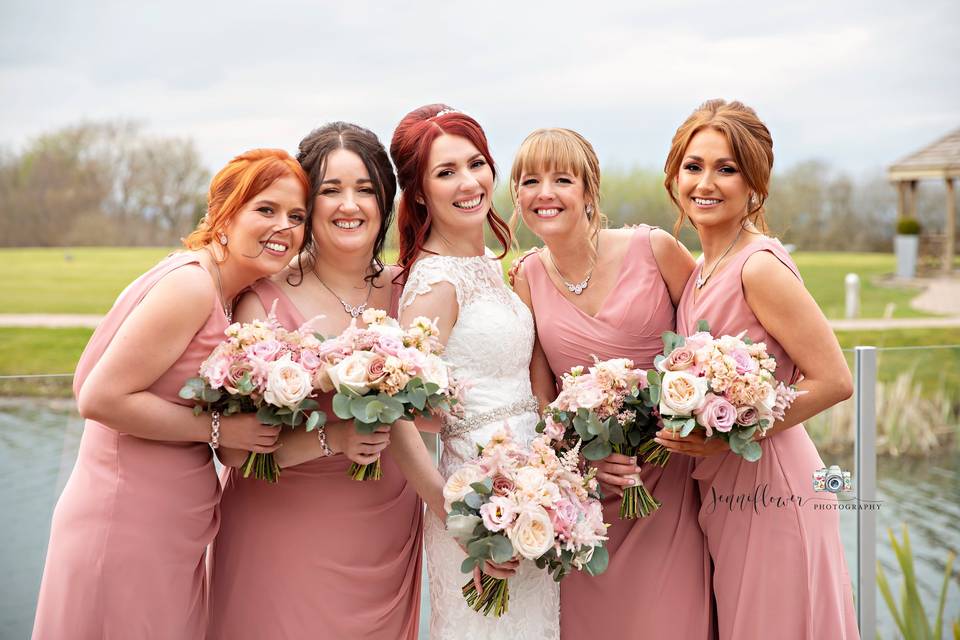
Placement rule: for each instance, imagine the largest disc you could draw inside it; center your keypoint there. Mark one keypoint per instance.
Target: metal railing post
(865, 397)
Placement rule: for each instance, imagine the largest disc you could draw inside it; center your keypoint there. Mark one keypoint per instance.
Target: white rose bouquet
(724, 385)
(383, 373)
(526, 501)
(263, 368)
(604, 408)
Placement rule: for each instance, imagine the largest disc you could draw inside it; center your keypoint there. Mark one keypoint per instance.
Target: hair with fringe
(560, 150)
(317, 146)
(752, 147)
(236, 184)
(410, 150)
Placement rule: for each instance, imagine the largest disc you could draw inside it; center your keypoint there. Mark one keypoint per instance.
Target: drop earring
(222, 237)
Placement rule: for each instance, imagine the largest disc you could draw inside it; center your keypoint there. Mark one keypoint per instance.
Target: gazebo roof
(940, 159)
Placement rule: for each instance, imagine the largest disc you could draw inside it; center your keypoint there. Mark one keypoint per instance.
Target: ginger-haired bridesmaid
(129, 536)
(610, 293)
(779, 568)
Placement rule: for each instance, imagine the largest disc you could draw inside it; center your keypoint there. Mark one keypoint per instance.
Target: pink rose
(498, 514)
(216, 372)
(679, 359)
(716, 413)
(310, 360)
(588, 395)
(553, 429)
(564, 515)
(413, 357)
(375, 368)
(236, 371)
(748, 416)
(698, 340)
(268, 350)
(745, 364)
(389, 345)
(502, 485)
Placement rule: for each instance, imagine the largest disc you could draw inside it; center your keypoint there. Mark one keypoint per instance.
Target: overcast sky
(856, 83)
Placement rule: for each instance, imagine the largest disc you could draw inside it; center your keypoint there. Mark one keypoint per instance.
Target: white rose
(458, 484)
(435, 371)
(532, 533)
(681, 393)
(351, 372)
(287, 384)
(461, 527)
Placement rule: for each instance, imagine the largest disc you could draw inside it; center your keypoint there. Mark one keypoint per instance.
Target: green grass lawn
(69, 280)
(917, 351)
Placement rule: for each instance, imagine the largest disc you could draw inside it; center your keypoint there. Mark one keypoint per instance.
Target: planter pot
(905, 247)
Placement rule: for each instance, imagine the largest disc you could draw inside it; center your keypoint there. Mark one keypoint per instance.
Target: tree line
(110, 183)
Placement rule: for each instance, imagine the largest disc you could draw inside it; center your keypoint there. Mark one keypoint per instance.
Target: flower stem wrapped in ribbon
(260, 368)
(383, 373)
(724, 385)
(526, 501)
(607, 407)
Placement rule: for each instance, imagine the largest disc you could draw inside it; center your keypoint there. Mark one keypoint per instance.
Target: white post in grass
(865, 398)
(852, 306)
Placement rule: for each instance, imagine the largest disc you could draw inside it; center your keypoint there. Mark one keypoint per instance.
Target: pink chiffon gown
(778, 565)
(658, 582)
(318, 554)
(129, 535)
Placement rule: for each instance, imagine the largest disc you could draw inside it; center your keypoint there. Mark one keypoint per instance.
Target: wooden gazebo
(939, 160)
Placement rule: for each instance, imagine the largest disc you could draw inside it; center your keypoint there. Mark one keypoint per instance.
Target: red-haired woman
(779, 569)
(129, 533)
(446, 172)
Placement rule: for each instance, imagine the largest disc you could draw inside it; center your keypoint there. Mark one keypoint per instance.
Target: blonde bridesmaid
(779, 569)
(610, 293)
(127, 545)
(319, 554)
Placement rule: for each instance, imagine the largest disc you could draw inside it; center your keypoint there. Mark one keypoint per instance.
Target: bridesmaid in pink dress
(631, 278)
(130, 531)
(318, 554)
(779, 569)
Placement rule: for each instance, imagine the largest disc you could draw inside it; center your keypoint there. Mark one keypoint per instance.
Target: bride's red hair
(410, 150)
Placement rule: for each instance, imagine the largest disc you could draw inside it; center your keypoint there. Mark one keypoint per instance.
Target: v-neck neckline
(606, 298)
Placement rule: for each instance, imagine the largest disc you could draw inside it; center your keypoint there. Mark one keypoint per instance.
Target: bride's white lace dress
(490, 348)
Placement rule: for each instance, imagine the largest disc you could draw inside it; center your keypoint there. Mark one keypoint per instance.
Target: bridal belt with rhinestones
(453, 427)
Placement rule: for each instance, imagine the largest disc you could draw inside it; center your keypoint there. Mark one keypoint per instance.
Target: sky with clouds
(858, 84)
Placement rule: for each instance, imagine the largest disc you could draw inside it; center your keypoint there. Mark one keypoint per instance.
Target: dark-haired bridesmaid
(779, 568)
(320, 555)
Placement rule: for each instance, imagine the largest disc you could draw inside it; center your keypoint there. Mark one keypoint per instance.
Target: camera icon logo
(832, 479)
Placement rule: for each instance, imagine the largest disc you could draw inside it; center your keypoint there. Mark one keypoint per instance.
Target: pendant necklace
(354, 311)
(576, 288)
(227, 310)
(701, 279)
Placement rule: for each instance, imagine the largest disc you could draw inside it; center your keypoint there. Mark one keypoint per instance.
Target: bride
(446, 173)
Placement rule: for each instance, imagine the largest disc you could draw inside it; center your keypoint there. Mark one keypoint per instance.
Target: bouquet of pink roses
(515, 500)
(383, 373)
(261, 367)
(724, 385)
(607, 408)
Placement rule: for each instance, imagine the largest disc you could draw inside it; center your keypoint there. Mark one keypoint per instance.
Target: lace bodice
(491, 342)
(489, 349)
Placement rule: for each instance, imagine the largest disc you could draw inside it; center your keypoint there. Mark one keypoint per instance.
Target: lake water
(39, 440)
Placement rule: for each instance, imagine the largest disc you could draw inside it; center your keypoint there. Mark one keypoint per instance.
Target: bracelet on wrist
(214, 429)
(322, 437)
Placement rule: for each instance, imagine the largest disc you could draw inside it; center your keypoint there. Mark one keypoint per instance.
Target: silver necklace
(227, 310)
(576, 288)
(353, 311)
(701, 279)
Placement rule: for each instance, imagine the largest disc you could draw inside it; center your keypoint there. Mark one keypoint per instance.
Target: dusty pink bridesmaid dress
(778, 566)
(316, 555)
(658, 581)
(130, 531)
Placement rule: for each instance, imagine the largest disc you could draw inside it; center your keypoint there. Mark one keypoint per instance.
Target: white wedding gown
(489, 348)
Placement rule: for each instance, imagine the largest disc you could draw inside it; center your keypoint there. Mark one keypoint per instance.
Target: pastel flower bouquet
(607, 407)
(383, 373)
(261, 368)
(515, 500)
(724, 385)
